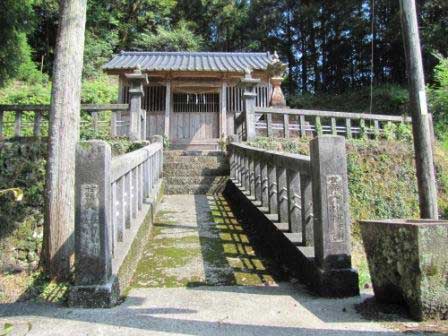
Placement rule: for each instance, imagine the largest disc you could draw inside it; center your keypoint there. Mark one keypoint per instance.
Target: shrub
(387, 99)
(438, 99)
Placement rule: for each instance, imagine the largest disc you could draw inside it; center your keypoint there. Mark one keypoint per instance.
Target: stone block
(408, 263)
(330, 202)
(95, 296)
(93, 228)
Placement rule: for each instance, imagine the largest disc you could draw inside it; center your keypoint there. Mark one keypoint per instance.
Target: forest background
(328, 46)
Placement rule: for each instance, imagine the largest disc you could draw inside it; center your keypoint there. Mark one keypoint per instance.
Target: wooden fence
(32, 120)
(276, 122)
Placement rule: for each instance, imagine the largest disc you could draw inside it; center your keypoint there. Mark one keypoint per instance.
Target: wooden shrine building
(191, 98)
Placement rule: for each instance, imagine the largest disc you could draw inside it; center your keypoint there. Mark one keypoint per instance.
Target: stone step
(200, 153)
(194, 147)
(195, 180)
(193, 189)
(191, 169)
(205, 160)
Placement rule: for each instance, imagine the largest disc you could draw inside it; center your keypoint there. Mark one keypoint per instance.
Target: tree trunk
(63, 136)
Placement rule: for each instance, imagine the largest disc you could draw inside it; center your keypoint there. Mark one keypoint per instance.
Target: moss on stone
(218, 252)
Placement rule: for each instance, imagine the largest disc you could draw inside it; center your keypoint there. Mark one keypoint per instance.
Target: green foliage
(98, 50)
(25, 93)
(404, 132)
(14, 24)
(7, 329)
(387, 99)
(390, 131)
(438, 98)
(100, 90)
(178, 39)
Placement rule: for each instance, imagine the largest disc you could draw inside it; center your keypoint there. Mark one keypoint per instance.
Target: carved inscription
(335, 206)
(90, 219)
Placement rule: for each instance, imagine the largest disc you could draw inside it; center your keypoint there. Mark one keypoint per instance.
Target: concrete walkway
(200, 276)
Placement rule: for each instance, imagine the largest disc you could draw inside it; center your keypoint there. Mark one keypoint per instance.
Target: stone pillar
(137, 80)
(332, 221)
(249, 95)
(94, 284)
(330, 202)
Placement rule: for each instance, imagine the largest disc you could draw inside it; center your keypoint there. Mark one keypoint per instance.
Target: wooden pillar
(223, 111)
(167, 109)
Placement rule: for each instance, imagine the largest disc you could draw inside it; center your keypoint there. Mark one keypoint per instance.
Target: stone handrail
(285, 122)
(41, 113)
(113, 199)
(307, 198)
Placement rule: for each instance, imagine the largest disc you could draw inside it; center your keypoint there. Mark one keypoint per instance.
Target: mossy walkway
(201, 274)
(196, 240)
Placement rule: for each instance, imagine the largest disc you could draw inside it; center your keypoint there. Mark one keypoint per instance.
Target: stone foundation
(408, 264)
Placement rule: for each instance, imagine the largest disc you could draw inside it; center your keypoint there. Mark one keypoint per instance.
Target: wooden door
(195, 117)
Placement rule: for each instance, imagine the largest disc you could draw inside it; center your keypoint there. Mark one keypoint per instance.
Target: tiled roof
(189, 61)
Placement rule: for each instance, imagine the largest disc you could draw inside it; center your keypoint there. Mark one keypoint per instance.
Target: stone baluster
(251, 173)
(257, 172)
(282, 195)
(272, 189)
(294, 201)
(264, 185)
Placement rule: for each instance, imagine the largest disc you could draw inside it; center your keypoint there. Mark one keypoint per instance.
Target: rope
(372, 48)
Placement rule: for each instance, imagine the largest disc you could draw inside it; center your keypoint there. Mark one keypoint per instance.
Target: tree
(15, 22)
(63, 137)
(178, 39)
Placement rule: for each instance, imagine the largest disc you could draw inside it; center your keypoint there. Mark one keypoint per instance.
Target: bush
(438, 99)
(100, 90)
(387, 99)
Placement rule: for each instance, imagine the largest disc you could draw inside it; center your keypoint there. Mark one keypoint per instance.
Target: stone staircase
(194, 172)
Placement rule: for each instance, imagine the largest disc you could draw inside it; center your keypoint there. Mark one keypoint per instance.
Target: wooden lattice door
(195, 117)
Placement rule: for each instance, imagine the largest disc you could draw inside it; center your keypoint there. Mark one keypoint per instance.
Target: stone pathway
(197, 241)
(200, 275)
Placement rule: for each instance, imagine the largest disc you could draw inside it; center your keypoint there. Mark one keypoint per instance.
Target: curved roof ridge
(218, 61)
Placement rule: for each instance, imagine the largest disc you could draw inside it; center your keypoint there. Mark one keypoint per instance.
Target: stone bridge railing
(115, 203)
(300, 206)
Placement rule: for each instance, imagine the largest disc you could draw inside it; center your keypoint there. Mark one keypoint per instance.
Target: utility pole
(427, 188)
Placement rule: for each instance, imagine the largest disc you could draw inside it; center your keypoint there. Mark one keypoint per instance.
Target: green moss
(218, 253)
